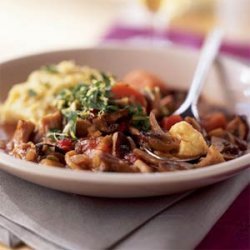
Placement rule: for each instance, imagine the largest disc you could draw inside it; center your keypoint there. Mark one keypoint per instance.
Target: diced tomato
(65, 144)
(139, 79)
(169, 121)
(121, 90)
(214, 121)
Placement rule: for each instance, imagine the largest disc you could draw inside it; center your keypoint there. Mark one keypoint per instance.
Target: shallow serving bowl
(176, 66)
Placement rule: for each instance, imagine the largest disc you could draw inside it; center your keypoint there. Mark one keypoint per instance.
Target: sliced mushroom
(121, 145)
(229, 149)
(42, 148)
(114, 164)
(115, 116)
(159, 140)
(102, 125)
(194, 123)
(154, 124)
(238, 127)
(213, 157)
(82, 127)
(145, 156)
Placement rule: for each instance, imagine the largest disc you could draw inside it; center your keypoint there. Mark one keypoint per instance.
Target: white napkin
(48, 219)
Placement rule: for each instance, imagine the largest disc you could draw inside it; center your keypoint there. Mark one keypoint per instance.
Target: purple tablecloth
(232, 231)
(122, 33)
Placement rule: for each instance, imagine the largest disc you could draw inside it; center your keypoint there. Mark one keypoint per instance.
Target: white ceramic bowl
(173, 64)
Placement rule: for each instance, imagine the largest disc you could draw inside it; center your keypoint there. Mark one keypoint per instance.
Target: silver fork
(209, 52)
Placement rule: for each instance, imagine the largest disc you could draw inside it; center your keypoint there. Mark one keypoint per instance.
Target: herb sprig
(94, 99)
(139, 117)
(83, 100)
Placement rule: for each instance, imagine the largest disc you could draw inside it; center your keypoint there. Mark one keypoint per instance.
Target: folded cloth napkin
(48, 219)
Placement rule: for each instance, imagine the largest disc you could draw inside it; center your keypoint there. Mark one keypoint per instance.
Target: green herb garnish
(139, 117)
(32, 93)
(83, 100)
(71, 119)
(51, 68)
(56, 134)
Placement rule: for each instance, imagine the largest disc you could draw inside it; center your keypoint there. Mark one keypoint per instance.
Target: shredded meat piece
(108, 123)
(114, 117)
(82, 127)
(25, 151)
(102, 125)
(213, 157)
(51, 121)
(113, 164)
(23, 132)
(77, 161)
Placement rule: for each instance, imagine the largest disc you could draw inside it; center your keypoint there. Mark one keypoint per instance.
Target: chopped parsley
(32, 93)
(51, 68)
(86, 98)
(93, 99)
(71, 119)
(139, 117)
(56, 134)
(83, 100)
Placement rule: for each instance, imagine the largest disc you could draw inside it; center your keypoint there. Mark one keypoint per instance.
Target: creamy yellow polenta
(34, 98)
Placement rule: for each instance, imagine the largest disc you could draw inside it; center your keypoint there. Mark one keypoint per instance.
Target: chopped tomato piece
(65, 144)
(140, 79)
(121, 90)
(169, 121)
(214, 121)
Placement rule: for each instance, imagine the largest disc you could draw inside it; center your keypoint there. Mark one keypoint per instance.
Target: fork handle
(208, 54)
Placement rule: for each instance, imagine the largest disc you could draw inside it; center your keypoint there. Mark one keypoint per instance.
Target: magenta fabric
(232, 231)
(179, 37)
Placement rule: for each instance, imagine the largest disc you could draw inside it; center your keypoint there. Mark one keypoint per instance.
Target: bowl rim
(122, 178)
